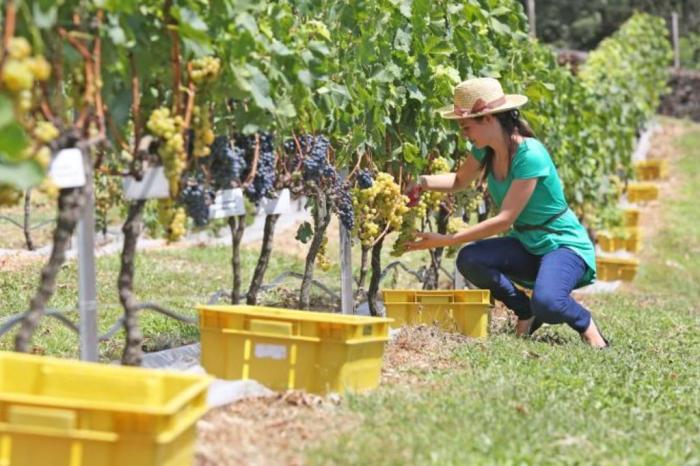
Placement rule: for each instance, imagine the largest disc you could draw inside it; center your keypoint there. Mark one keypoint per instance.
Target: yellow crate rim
(200, 383)
(294, 314)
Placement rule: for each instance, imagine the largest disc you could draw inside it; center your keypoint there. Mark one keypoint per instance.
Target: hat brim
(512, 101)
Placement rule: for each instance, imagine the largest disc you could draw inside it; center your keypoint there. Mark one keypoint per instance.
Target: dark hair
(510, 123)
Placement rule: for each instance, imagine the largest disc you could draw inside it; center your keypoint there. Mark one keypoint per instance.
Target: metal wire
(62, 317)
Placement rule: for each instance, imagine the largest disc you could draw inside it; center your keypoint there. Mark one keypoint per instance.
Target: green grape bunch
(173, 218)
(378, 208)
(430, 200)
(407, 232)
(203, 133)
(172, 150)
(19, 73)
(205, 70)
(322, 260)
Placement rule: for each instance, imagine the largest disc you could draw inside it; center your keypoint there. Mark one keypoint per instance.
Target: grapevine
(317, 169)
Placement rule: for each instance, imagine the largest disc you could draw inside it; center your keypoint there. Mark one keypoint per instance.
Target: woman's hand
(413, 190)
(429, 241)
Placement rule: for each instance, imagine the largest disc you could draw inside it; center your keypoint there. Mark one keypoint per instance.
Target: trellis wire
(61, 316)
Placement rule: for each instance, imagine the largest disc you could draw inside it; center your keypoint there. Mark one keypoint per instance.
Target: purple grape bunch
(227, 163)
(196, 200)
(263, 183)
(316, 158)
(365, 179)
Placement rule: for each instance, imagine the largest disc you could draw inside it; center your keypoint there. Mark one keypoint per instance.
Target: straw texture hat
(480, 96)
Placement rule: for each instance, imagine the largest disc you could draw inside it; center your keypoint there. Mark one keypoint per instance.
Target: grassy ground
(552, 400)
(175, 277)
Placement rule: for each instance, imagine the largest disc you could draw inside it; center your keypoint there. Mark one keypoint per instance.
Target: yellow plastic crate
(616, 268)
(651, 169)
(631, 216)
(285, 349)
(641, 191)
(463, 311)
(60, 412)
(610, 242)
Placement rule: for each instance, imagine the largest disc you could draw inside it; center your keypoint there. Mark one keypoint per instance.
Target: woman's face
(476, 130)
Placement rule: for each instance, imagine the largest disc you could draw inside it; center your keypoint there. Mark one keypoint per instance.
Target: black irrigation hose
(419, 274)
(19, 225)
(59, 315)
(280, 278)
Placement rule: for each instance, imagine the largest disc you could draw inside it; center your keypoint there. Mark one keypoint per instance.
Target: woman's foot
(526, 327)
(522, 328)
(593, 337)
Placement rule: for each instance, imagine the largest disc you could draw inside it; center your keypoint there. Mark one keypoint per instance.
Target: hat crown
(469, 92)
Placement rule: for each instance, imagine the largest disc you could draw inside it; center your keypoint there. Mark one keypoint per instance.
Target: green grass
(552, 400)
(177, 278)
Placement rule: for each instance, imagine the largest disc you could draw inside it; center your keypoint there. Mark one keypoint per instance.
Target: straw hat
(480, 96)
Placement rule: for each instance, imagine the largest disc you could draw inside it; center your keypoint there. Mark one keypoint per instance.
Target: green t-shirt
(531, 160)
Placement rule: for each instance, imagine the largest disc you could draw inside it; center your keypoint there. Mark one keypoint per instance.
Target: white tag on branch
(153, 185)
(278, 205)
(228, 203)
(67, 169)
(482, 207)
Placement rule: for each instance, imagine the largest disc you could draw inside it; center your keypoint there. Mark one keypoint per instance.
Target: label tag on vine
(278, 205)
(67, 169)
(482, 207)
(228, 203)
(153, 185)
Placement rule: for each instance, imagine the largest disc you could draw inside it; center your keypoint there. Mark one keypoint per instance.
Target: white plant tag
(482, 207)
(228, 203)
(279, 205)
(153, 185)
(67, 169)
(270, 351)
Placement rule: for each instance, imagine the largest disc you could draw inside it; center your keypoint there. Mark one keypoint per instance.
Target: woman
(546, 247)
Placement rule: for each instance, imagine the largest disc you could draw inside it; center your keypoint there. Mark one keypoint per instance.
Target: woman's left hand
(428, 241)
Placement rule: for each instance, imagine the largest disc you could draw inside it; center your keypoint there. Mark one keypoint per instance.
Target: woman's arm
(451, 182)
(515, 201)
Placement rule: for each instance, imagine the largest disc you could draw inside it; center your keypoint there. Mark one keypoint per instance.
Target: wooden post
(531, 17)
(676, 45)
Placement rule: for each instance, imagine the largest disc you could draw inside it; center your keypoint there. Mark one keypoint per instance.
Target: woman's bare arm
(451, 182)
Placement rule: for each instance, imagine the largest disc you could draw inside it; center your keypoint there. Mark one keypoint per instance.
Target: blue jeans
(492, 263)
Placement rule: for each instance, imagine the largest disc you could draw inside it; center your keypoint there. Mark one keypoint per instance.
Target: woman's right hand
(413, 190)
